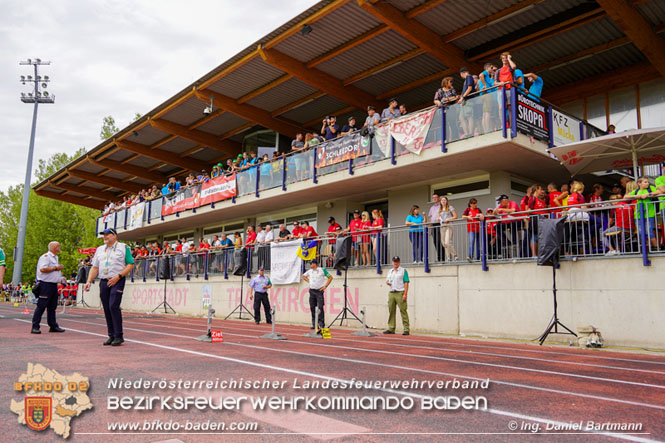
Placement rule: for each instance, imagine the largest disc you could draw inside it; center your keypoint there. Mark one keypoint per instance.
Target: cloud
(113, 58)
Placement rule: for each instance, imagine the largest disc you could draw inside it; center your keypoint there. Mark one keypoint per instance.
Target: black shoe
(388, 331)
(268, 322)
(56, 329)
(312, 327)
(109, 341)
(35, 331)
(405, 333)
(117, 341)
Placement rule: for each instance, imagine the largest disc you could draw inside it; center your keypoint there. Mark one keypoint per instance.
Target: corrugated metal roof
(120, 155)
(378, 50)
(148, 135)
(405, 5)
(317, 108)
(420, 95)
(288, 92)
(653, 11)
(222, 124)
(598, 64)
(455, 14)
(406, 72)
(187, 112)
(144, 162)
(336, 28)
(571, 42)
(543, 10)
(178, 145)
(206, 156)
(252, 75)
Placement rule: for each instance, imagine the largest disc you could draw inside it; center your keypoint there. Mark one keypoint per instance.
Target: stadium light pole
(36, 97)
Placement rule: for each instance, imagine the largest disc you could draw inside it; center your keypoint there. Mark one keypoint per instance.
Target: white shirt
(396, 279)
(185, 247)
(48, 260)
(270, 236)
(317, 278)
(111, 261)
(261, 236)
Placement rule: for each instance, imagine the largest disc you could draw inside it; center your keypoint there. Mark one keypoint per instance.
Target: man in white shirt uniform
(269, 238)
(319, 279)
(113, 262)
(398, 282)
(48, 276)
(261, 248)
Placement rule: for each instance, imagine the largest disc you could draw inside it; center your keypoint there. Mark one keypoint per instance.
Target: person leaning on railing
(444, 97)
(646, 197)
(415, 223)
(447, 214)
(621, 226)
(473, 216)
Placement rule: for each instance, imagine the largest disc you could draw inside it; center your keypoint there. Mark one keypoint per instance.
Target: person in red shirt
(538, 205)
(202, 250)
(473, 215)
(555, 198)
(334, 229)
(378, 223)
(622, 223)
(355, 225)
(504, 210)
(297, 230)
(308, 231)
(490, 233)
(366, 226)
(597, 195)
(524, 203)
(251, 237)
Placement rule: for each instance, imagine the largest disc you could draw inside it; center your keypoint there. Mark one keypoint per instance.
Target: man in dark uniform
(113, 262)
(48, 275)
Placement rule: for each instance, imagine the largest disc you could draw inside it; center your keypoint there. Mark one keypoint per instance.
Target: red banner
(182, 200)
(87, 251)
(218, 188)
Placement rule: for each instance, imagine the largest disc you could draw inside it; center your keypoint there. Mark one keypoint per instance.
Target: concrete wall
(622, 298)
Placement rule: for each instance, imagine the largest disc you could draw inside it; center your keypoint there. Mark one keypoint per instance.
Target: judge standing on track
(48, 275)
(113, 262)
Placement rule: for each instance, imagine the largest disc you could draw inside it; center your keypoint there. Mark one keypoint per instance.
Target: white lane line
(451, 341)
(461, 351)
(455, 360)
(341, 380)
(425, 371)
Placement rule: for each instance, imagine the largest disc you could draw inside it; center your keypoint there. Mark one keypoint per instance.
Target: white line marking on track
(512, 384)
(326, 377)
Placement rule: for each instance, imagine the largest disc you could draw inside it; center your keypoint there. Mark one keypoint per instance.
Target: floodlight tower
(37, 96)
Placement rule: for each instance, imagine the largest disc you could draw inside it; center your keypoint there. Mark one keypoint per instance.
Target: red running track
(530, 386)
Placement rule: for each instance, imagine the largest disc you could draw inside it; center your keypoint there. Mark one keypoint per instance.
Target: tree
(48, 220)
(109, 129)
(137, 115)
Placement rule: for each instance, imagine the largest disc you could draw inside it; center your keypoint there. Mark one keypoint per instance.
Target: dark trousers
(417, 245)
(111, 299)
(48, 299)
(436, 239)
(261, 298)
(316, 301)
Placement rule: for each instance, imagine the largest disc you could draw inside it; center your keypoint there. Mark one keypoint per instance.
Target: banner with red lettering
(87, 251)
(409, 131)
(182, 200)
(218, 188)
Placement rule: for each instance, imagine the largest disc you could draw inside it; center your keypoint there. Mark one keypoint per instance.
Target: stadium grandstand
(305, 126)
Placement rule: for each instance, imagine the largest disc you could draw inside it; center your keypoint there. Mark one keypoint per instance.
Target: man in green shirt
(646, 203)
(3, 267)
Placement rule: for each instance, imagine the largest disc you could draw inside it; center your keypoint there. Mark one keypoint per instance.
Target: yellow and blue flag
(307, 251)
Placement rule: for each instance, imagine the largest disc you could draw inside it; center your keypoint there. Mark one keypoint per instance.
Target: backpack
(589, 337)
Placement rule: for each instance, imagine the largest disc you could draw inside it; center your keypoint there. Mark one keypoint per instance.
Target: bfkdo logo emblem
(38, 412)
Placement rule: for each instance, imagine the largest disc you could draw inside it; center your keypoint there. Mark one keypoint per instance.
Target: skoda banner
(532, 118)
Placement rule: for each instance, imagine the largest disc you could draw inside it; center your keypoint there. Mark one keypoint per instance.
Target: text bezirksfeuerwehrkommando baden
(162, 384)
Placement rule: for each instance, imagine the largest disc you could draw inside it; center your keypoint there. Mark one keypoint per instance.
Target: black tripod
(83, 303)
(553, 327)
(241, 306)
(166, 275)
(343, 313)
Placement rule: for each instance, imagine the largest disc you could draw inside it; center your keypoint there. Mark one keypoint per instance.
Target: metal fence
(618, 228)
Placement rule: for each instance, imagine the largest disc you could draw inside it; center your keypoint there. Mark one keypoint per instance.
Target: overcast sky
(113, 57)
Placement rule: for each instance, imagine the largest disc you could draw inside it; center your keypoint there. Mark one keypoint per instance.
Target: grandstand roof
(362, 52)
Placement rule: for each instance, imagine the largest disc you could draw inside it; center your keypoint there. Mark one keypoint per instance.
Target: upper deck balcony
(517, 144)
